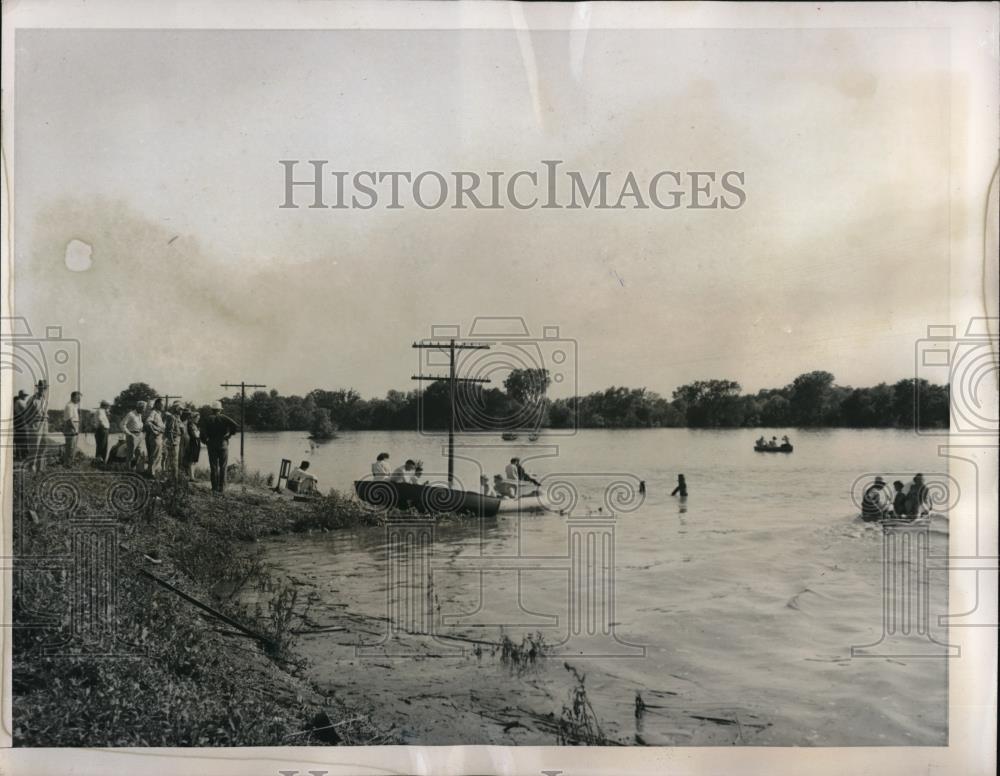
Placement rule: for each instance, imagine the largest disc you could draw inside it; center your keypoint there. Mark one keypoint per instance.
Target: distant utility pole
(167, 397)
(243, 400)
(450, 347)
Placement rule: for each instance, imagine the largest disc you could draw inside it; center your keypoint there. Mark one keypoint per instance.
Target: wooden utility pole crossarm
(450, 347)
(243, 400)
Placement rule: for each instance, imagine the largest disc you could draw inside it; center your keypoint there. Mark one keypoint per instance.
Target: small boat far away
(786, 447)
(508, 436)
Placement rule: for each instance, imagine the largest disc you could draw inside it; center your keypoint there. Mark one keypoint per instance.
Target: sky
(147, 187)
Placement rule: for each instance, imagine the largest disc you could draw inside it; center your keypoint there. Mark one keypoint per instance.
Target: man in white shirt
(300, 481)
(405, 472)
(102, 427)
(71, 426)
(132, 426)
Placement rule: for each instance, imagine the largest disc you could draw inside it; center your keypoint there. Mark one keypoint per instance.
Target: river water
(734, 610)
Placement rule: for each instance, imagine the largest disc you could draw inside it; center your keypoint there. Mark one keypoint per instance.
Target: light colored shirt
(401, 475)
(102, 418)
(133, 423)
(72, 414)
(298, 474)
(380, 470)
(510, 471)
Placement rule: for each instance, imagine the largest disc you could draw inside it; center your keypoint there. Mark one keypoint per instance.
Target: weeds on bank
(578, 723)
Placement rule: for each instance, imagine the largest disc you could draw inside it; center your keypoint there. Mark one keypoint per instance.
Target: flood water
(745, 598)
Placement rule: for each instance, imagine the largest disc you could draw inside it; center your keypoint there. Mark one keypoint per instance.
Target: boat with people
(428, 498)
(402, 488)
(772, 446)
(508, 436)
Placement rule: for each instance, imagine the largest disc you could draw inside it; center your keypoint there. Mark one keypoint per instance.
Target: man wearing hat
(21, 425)
(102, 427)
(215, 432)
(173, 439)
(876, 501)
(37, 429)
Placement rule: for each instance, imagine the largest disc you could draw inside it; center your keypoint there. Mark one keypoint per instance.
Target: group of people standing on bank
(157, 440)
(899, 503)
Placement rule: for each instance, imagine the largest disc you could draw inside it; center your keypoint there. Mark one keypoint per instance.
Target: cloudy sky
(160, 151)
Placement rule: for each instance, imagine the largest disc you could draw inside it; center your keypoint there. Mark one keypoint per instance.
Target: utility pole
(243, 400)
(167, 397)
(450, 347)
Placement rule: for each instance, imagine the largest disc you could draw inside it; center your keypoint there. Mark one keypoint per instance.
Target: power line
(450, 347)
(243, 400)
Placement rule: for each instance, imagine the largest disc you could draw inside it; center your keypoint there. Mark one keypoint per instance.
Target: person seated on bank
(301, 481)
(484, 484)
(681, 489)
(418, 472)
(405, 472)
(380, 469)
(118, 455)
(875, 502)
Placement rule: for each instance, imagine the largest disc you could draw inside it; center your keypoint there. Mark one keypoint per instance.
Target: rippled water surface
(745, 598)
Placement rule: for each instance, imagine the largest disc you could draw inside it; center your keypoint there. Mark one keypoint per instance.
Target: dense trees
(812, 399)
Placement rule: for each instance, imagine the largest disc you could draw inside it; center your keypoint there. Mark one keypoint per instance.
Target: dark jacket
(216, 430)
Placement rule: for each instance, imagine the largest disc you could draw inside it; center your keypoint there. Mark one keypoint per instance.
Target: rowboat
(426, 499)
(785, 448)
(508, 436)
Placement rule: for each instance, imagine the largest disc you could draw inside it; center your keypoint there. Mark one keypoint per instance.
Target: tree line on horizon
(811, 400)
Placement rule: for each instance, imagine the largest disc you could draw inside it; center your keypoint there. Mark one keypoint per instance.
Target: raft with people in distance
(783, 448)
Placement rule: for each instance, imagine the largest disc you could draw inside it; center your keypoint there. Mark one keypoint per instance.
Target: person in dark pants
(215, 432)
(102, 425)
(21, 433)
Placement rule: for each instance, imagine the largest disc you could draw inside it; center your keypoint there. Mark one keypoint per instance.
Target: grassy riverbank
(179, 676)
